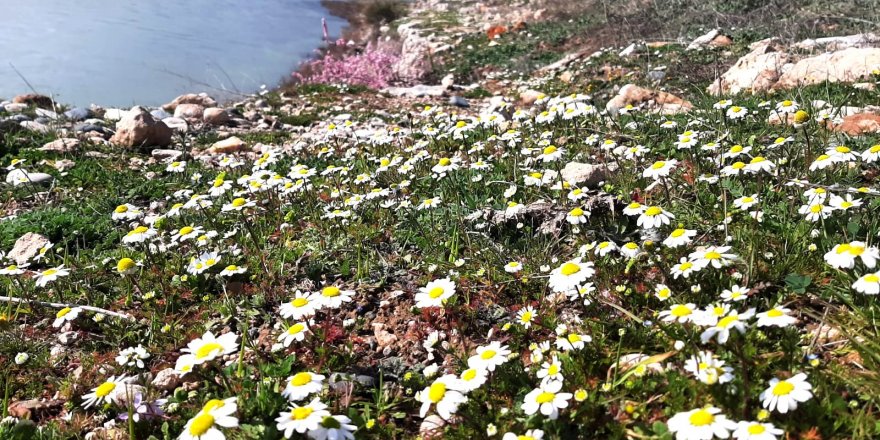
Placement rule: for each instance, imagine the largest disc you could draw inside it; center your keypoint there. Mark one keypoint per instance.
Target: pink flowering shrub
(372, 67)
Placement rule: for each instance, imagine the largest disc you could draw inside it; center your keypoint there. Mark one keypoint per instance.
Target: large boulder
(847, 65)
(201, 99)
(651, 100)
(756, 71)
(138, 128)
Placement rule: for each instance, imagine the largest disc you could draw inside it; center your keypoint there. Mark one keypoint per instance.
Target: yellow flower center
(553, 370)
(659, 164)
(120, 209)
(105, 388)
(545, 397)
(330, 291)
(712, 255)
(680, 310)
(296, 328)
(738, 165)
(208, 349)
(301, 413)
(550, 150)
(185, 230)
(842, 149)
(576, 212)
(49, 272)
(125, 265)
(701, 418)
(527, 317)
(436, 391)
(574, 337)
(774, 313)
(757, 159)
(756, 429)
(570, 269)
(727, 321)
(815, 209)
(300, 379)
(653, 211)
(239, 202)
(212, 404)
(872, 278)
(63, 312)
(445, 161)
(299, 302)
(488, 354)
(677, 233)
(686, 265)
(783, 388)
(435, 292)
(469, 374)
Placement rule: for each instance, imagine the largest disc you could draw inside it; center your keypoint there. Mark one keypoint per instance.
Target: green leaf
(798, 283)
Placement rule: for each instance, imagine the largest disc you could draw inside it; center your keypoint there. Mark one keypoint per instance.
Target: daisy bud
(21, 358)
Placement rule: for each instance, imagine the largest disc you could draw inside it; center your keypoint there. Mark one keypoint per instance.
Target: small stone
(652, 100)
(190, 112)
(215, 116)
(139, 129)
(586, 174)
(78, 114)
(41, 101)
(114, 114)
(160, 114)
(226, 146)
(530, 96)
(383, 337)
(48, 114)
(160, 154)
(177, 124)
(22, 177)
(459, 101)
(656, 75)
(34, 409)
(26, 247)
(15, 107)
(432, 427)
(166, 380)
(63, 145)
(859, 124)
(201, 99)
(704, 40)
(566, 77)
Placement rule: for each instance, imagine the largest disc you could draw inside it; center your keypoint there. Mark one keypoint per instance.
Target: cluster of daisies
(354, 174)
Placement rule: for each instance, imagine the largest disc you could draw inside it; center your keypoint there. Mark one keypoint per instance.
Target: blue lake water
(126, 52)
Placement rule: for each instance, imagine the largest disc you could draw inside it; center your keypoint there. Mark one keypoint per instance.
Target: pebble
(78, 114)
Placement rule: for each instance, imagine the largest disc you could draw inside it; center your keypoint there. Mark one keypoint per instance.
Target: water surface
(126, 52)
